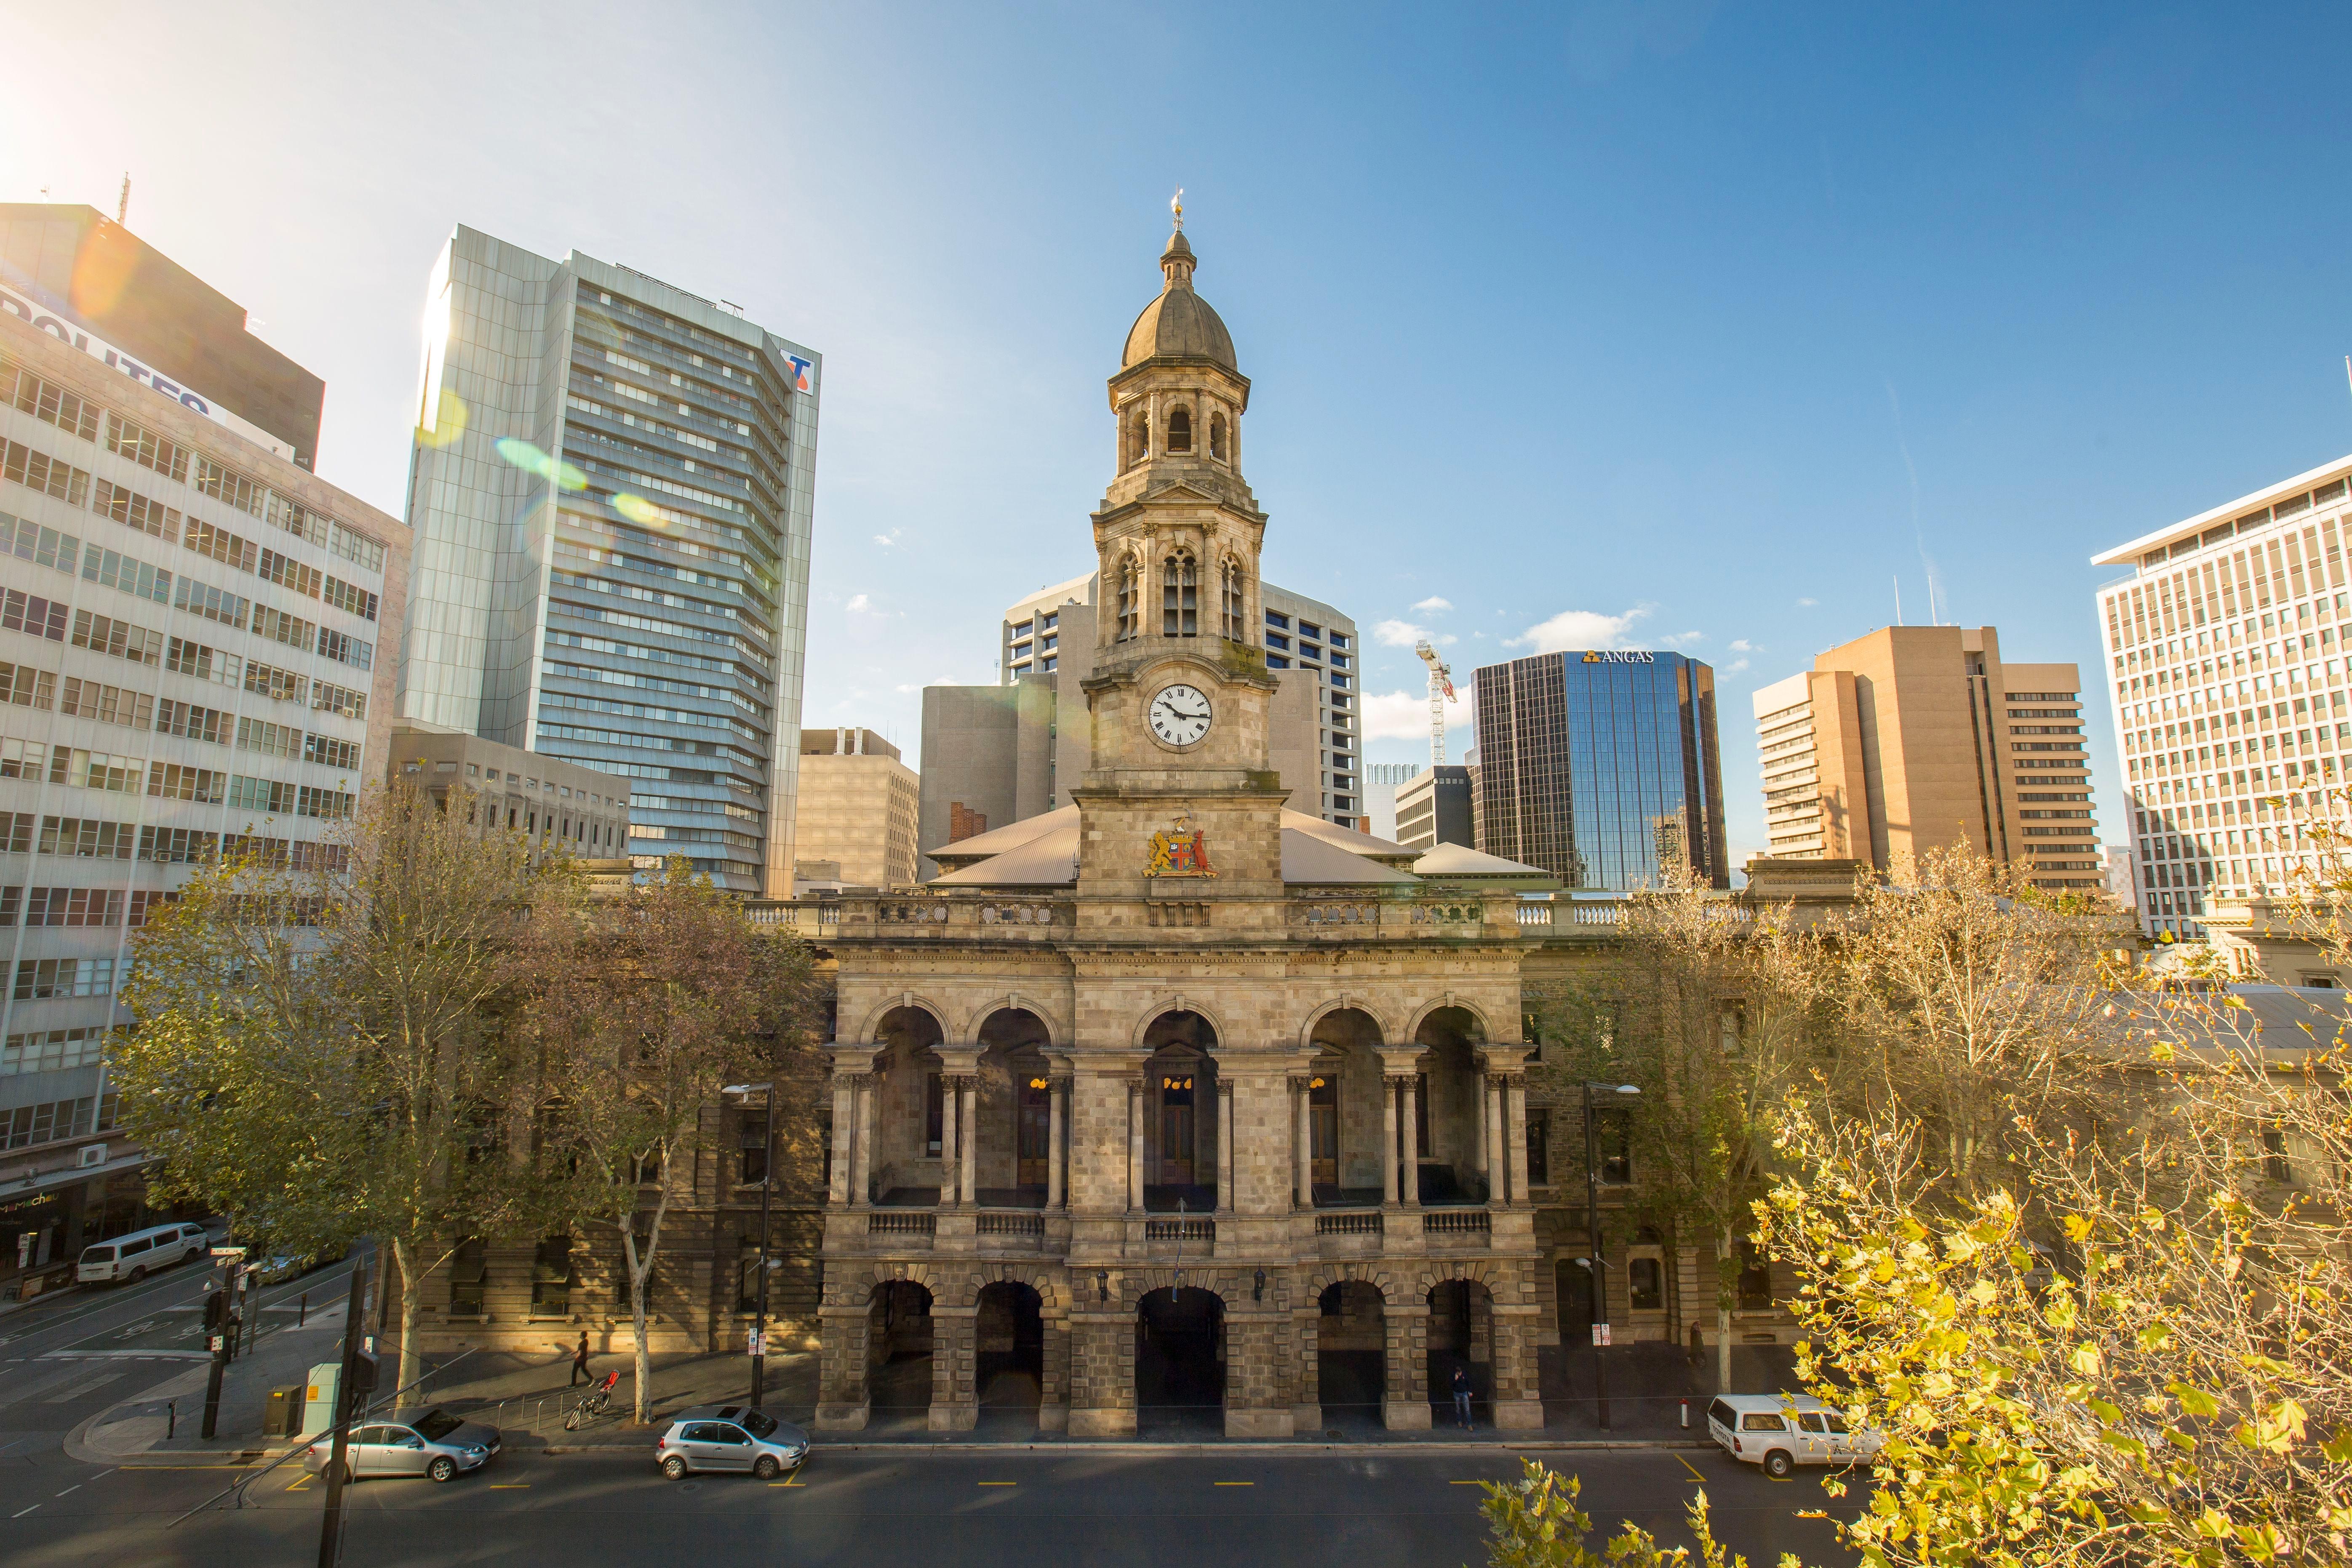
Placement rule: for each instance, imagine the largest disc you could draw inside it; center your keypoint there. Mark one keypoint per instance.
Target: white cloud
(1579, 629)
(1807, 603)
(1396, 716)
(858, 605)
(1431, 605)
(1736, 666)
(1683, 639)
(1743, 645)
(886, 540)
(1398, 634)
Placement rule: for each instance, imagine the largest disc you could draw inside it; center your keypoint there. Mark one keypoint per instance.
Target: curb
(1278, 1445)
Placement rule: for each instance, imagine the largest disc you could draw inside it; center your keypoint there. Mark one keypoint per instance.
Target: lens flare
(532, 460)
(444, 423)
(639, 510)
(102, 269)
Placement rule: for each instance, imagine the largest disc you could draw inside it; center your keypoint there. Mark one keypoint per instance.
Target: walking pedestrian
(1462, 1396)
(580, 1364)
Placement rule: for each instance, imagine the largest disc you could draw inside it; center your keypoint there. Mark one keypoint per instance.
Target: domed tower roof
(1179, 324)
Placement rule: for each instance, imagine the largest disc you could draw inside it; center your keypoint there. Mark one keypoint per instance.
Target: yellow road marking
(1232, 1483)
(1691, 1467)
(509, 1486)
(297, 1486)
(997, 1483)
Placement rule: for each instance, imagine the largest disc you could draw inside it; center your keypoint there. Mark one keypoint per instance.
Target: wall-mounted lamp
(1258, 1291)
(1102, 1284)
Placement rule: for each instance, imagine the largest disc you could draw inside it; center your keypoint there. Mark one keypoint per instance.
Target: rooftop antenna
(123, 203)
(1176, 208)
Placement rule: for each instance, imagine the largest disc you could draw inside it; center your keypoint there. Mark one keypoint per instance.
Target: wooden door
(1176, 1129)
(1323, 1129)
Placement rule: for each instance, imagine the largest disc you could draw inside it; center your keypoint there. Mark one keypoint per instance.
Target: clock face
(1180, 715)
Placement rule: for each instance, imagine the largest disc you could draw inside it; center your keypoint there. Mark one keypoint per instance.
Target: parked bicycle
(598, 1399)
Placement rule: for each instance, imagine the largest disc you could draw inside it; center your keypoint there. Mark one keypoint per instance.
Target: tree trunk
(641, 1271)
(1723, 1286)
(412, 1302)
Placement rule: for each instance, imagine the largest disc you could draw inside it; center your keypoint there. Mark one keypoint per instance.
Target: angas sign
(1620, 656)
(28, 308)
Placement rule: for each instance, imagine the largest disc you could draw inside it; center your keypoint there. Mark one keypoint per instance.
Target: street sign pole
(331, 1525)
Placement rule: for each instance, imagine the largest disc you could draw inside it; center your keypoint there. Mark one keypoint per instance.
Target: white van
(1782, 1431)
(133, 1257)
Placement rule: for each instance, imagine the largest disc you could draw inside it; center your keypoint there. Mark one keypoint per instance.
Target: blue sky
(1696, 325)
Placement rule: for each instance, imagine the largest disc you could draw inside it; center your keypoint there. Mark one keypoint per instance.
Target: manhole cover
(689, 1486)
(1332, 1431)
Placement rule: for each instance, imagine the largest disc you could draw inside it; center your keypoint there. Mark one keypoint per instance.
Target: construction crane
(1441, 691)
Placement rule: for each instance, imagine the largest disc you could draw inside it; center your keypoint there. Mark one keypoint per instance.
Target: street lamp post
(767, 1185)
(1592, 1256)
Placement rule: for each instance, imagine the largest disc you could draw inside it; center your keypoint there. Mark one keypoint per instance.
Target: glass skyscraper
(612, 493)
(1602, 769)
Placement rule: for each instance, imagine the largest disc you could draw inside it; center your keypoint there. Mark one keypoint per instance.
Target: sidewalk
(527, 1397)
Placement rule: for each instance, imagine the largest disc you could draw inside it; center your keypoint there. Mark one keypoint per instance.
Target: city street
(881, 1510)
(66, 1358)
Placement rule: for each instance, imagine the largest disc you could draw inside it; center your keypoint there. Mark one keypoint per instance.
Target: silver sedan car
(431, 1443)
(729, 1438)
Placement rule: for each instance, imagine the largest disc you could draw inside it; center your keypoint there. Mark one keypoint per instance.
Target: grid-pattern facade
(2227, 656)
(612, 492)
(1789, 751)
(191, 665)
(1602, 769)
(1303, 636)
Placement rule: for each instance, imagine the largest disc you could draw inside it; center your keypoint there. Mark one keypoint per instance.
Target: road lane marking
(76, 1487)
(1469, 1483)
(1232, 1483)
(978, 1483)
(22, 1512)
(1693, 1468)
(509, 1486)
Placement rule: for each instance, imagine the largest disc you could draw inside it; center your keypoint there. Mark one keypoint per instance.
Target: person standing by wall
(580, 1362)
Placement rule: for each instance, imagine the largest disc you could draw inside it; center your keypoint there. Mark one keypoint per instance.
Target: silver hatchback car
(729, 1438)
(431, 1443)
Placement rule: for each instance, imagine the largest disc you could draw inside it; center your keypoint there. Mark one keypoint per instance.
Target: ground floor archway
(1180, 1361)
(1351, 1354)
(1460, 1338)
(899, 1347)
(1009, 1347)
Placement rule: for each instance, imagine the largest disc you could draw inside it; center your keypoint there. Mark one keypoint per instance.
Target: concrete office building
(2226, 667)
(857, 809)
(1381, 781)
(1601, 767)
(993, 755)
(612, 490)
(552, 801)
(161, 325)
(1920, 737)
(192, 663)
(1432, 808)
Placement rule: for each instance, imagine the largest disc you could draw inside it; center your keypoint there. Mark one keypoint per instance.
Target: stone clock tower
(1180, 695)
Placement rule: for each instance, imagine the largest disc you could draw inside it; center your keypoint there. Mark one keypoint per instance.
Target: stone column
(1517, 1402)
(1307, 1401)
(955, 1403)
(1304, 1147)
(1514, 1132)
(1484, 1164)
(1499, 1158)
(843, 1333)
(861, 1175)
(1404, 1366)
(1225, 1166)
(1057, 1095)
(845, 1137)
(1102, 1367)
(951, 1162)
(1135, 1144)
(1054, 1390)
(968, 1177)
(1389, 1091)
(1409, 1154)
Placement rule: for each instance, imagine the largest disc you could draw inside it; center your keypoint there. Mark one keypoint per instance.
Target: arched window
(1179, 430)
(1130, 590)
(1230, 599)
(1217, 436)
(1138, 438)
(1179, 596)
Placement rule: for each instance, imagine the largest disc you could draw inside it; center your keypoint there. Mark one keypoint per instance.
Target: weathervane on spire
(1176, 205)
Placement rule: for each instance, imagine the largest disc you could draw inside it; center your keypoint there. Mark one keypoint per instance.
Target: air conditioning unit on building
(92, 1155)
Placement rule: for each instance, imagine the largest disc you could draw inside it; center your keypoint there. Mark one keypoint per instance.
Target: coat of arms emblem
(1179, 850)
